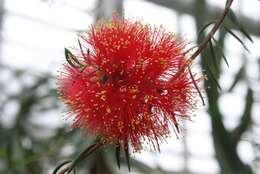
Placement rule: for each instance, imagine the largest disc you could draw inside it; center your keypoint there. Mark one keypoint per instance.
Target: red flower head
(125, 83)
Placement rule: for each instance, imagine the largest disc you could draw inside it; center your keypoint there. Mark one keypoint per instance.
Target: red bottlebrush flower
(126, 84)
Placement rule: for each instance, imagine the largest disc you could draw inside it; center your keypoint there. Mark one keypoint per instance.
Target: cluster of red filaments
(132, 86)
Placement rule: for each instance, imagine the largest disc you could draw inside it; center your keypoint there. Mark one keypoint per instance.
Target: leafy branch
(89, 150)
(212, 32)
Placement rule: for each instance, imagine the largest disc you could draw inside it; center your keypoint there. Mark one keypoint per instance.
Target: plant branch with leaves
(103, 74)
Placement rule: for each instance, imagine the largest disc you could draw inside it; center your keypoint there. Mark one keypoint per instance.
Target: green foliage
(127, 159)
(117, 154)
(72, 60)
(237, 38)
(225, 141)
(232, 17)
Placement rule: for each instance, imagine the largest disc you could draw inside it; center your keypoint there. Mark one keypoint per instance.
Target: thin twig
(189, 50)
(209, 36)
(201, 47)
(218, 23)
(88, 151)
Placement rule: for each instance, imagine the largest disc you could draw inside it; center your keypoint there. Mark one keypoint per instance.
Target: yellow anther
(108, 110)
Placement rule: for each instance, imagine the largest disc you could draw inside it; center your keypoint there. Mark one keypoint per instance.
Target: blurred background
(224, 136)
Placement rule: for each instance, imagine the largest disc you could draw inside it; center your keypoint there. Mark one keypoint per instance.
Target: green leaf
(213, 55)
(60, 166)
(82, 52)
(231, 15)
(213, 77)
(80, 47)
(68, 56)
(127, 159)
(72, 60)
(87, 61)
(118, 156)
(221, 51)
(238, 77)
(236, 37)
(197, 88)
(204, 28)
(246, 34)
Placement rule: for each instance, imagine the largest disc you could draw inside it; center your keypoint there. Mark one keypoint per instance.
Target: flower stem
(88, 151)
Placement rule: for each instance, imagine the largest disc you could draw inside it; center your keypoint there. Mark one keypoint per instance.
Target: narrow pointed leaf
(239, 76)
(80, 47)
(127, 159)
(213, 78)
(213, 55)
(224, 57)
(67, 56)
(237, 38)
(55, 171)
(71, 59)
(118, 156)
(231, 15)
(82, 52)
(204, 28)
(86, 56)
(221, 51)
(246, 34)
(197, 88)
